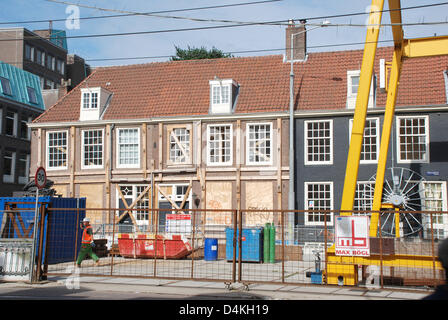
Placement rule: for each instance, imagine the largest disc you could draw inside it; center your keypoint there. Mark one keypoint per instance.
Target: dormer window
(90, 100)
(94, 101)
(223, 94)
(6, 86)
(32, 97)
(353, 77)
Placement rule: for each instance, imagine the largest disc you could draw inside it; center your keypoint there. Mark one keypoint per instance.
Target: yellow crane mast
(346, 267)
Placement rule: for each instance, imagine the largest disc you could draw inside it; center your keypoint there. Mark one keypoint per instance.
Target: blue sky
(260, 37)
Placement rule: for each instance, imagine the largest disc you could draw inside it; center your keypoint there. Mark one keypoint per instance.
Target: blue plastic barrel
(211, 249)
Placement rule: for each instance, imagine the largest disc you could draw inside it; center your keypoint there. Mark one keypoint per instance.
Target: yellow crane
(346, 267)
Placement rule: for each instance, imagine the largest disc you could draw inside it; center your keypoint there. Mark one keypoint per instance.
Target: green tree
(198, 53)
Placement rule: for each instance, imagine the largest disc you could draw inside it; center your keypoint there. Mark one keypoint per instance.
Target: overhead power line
(101, 35)
(157, 15)
(383, 11)
(130, 13)
(141, 32)
(239, 24)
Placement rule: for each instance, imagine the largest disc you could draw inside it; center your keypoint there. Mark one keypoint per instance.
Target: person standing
(87, 244)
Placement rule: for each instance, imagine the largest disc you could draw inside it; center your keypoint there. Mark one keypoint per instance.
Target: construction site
(245, 197)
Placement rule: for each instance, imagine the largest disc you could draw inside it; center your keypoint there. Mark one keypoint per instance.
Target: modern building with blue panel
(20, 103)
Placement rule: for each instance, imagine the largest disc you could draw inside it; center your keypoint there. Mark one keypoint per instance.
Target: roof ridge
(184, 61)
(136, 65)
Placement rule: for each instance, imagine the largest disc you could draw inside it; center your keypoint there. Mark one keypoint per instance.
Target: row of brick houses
(214, 134)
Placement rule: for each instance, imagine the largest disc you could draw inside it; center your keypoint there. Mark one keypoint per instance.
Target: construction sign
(352, 236)
(178, 223)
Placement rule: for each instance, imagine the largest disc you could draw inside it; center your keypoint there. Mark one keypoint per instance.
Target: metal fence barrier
(276, 247)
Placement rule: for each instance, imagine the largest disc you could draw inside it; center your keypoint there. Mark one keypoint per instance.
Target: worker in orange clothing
(87, 244)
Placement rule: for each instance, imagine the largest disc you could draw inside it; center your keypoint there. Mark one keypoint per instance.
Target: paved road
(92, 291)
(191, 299)
(155, 289)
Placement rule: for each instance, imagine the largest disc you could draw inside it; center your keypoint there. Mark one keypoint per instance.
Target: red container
(142, 247)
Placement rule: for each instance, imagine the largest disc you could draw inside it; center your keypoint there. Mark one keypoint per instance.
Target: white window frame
(398, 144)
(227, 163)
(350, 75)
(427, 219)
(88, 104)
(248, 140)
(83, 150)
(48, 167)
(364, 199)
(377, 125)
(30, 119)
(351, 96)
(10, 177)
(307, 204)
(188, 143)
(221, 96)
(326, 162)
(174, 196)
(43, 60)
(126, 166)
(14, 126)
(24, 179)
(139, 205)
(25, 123)
(31, 52)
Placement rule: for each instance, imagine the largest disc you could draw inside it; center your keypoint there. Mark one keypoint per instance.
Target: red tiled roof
(182, 87)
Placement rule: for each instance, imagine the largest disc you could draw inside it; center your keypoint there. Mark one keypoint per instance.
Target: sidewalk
(219, 290)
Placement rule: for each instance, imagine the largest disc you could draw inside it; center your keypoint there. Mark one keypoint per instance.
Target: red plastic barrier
(141, 247)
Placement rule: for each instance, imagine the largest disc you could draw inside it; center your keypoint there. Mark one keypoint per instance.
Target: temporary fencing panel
(56, 237)
(296, 254)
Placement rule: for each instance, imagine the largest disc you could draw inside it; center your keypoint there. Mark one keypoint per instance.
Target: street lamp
(291, 195)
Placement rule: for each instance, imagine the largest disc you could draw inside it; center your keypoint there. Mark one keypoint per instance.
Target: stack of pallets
(114, 251)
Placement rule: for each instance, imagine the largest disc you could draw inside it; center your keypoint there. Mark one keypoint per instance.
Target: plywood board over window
(219, 196)
(259, 196)
(94, 199)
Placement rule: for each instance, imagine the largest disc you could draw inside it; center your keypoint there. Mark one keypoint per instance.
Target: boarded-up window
(219, 196)
(259, 196)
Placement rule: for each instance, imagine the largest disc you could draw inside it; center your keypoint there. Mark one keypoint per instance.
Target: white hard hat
(86, 220)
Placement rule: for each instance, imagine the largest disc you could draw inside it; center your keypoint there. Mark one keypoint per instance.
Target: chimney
(299, 41)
